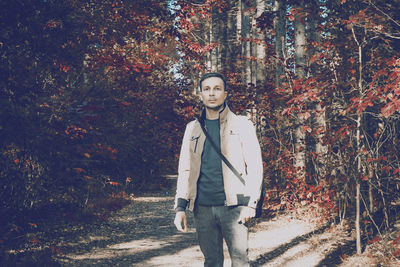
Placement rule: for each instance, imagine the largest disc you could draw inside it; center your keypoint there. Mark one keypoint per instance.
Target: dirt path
(143, 234)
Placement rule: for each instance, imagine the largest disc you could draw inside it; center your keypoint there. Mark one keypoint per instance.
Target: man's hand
(246, 214)
(180, 218)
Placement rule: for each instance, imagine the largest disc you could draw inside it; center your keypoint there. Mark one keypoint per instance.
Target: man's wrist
(181, 204)
(177, 209)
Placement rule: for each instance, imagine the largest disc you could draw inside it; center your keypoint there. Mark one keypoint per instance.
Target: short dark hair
(212, 74)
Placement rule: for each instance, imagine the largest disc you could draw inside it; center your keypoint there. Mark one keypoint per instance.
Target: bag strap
(221, 155)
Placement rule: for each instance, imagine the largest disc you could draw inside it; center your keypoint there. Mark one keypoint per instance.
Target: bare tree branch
(384, 13)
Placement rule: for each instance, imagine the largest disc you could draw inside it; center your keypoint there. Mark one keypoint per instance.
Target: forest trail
(143, 234)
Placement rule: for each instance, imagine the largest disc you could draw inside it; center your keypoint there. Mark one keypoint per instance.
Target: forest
(95, 95)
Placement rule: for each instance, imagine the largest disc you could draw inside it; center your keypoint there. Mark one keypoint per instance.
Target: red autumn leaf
(397, 252)
(306, 129)
(124, 103)
(79, 170)
(33, 224)
(374, 240)
(304, 115)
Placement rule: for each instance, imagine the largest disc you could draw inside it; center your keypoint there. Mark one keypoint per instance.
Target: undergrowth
(20, 242)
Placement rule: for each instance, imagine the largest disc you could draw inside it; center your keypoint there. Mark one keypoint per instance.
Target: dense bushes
(86, 100)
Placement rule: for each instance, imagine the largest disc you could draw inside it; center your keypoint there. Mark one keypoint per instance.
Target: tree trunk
(358, 233)
(314, 34)
(246, 45)
(321, 149)
(222, 40)
(260, 68)
(239, 21)
(213, 39)
(279, 25)
(232, 54)
(253, 44)
(358, 148)
(357, 179)
(385, 207)
(208, 39)
(300, 42)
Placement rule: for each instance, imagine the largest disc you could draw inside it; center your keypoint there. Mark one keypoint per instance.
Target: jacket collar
(222, 114)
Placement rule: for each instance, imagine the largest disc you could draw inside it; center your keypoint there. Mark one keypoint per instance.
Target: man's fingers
(180, 218)
(185, 224)
(246, 214)
(243, 220)
(178, 225)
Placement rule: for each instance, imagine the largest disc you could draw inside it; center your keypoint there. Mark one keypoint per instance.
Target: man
(221, 203)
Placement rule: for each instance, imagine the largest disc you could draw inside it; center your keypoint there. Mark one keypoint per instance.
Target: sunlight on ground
(282, 241)
(143, 215)
(308, 252)
(272, 237)
(180, 259)
(153, 199)
(127, 248)
(84, 241)
(276, 234)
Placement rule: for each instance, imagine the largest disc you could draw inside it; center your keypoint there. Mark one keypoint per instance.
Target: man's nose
(212, 92)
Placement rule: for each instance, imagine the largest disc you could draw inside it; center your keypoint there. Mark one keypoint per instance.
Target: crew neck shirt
(210, 185)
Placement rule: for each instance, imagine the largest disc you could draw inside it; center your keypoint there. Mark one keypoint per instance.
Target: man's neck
(213, 114)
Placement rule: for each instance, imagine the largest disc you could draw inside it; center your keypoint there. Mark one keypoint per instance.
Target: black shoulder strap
(220, 154)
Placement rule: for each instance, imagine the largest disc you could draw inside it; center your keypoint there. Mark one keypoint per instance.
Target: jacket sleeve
(253, 160)
(182, 185)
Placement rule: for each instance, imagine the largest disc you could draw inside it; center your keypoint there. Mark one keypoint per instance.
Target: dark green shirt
(210, 186)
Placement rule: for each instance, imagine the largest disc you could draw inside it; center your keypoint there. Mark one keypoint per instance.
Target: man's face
(213, 93)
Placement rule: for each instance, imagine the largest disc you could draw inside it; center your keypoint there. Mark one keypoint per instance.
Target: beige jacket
(239, 145)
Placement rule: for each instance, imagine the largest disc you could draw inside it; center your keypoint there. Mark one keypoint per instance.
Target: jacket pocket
(194, 141)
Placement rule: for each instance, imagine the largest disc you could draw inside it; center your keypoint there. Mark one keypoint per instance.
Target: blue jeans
(215, 223)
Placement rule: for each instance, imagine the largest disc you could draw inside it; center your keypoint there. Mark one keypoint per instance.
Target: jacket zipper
(197, 140)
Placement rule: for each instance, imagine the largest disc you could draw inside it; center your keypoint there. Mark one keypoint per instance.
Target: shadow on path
(264, 258)
(124, 257)
(335, 257)
(141, 231)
